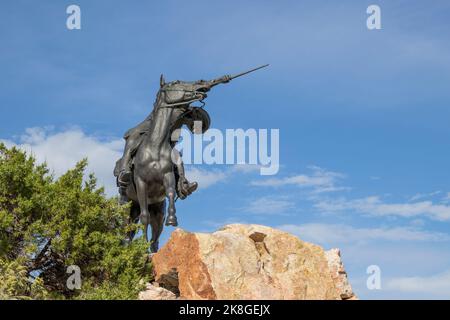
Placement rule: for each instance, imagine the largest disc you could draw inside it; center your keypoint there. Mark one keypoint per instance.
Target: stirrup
(192, 187)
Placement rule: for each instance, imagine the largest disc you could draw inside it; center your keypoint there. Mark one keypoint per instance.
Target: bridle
(182, 105)
(178, 104)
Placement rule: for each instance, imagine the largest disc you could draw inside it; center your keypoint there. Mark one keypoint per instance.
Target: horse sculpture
(156, 164)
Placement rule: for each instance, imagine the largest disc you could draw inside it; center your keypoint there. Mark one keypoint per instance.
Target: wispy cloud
(438, 284)
(211, 176)
(213, 225)
(319, 181)
(269, 206)
(205, 178)
(374, 206)
(246, 168)
(419, 196)
(447, 197)
(336, 234)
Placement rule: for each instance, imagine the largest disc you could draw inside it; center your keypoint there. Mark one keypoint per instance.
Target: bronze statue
(146, 174)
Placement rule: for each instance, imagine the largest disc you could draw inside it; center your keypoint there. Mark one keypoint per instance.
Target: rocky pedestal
(246, 262)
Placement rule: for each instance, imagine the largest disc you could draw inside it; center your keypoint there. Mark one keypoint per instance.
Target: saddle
(188, 118)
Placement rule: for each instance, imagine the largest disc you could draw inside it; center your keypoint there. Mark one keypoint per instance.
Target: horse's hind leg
(169, 185)
(134, 216)
(141, 191)
(157, 212)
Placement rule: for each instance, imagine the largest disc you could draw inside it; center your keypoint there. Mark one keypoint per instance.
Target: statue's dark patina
(151, 170)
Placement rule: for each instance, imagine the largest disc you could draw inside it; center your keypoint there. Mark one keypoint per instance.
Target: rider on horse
(134, 137)
(151, 174)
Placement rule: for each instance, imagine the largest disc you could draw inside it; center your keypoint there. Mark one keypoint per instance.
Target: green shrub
(48, 224)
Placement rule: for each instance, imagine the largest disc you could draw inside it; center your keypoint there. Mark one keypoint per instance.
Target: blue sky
(364, 113)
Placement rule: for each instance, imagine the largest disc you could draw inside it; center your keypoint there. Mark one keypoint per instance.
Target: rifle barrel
(246, 72)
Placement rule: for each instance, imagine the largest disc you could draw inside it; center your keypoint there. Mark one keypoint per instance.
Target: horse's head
(178, 96)
(183, 93)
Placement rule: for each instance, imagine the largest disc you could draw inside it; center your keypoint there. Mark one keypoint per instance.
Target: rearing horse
(153, 165)
(153, 173)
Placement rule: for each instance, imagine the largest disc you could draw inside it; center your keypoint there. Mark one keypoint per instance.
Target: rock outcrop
(248, 262)
(154, 292)
(338, 274)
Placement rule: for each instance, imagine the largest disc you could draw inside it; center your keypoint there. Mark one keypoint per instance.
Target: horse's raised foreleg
(141, 191)
(169, 185)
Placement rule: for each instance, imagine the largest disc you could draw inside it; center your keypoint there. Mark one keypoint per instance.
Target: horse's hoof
(171, 221)
(154, 247)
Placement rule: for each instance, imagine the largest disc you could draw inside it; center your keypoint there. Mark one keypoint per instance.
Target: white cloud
(333, 234)
(62, 150)
(438, 284)
(447, 197)
(246, 168)
(417, 222)
(213, 225)
(419, 196)
(209, 177)
(269, 205)
(205, 178)
(375, 207)
(320, 180)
